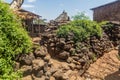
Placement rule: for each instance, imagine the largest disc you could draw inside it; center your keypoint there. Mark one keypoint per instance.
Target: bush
(80, 16)
(82, 29)
(13, 40)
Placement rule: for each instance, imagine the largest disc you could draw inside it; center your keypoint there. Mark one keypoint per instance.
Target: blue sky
(50, 9)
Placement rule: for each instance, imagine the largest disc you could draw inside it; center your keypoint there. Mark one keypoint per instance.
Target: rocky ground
(55, 58)
(105, 68)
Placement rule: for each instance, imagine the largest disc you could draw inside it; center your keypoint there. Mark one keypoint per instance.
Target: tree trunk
(16, 4)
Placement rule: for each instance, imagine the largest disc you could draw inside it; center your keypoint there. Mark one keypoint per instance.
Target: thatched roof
(24, 14)
(63, 17)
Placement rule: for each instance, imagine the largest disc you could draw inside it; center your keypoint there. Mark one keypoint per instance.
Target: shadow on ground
(113, 76)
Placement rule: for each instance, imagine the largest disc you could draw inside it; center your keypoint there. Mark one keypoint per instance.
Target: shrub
(82, 29)
(13, 40)
(80, 16)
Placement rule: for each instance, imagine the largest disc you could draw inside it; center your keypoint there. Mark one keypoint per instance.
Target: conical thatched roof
(63, 17)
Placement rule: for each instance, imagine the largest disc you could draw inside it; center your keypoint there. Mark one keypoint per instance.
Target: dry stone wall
(59, 59)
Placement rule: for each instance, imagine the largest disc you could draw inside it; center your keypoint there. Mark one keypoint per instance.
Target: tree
(16, 4)
(80, 16)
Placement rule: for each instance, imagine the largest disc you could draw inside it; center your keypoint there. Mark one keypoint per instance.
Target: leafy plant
(81, 30)
(13, 40)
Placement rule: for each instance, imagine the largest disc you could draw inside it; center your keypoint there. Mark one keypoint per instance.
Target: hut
(30, 21)
(107, 12)
(63, 18)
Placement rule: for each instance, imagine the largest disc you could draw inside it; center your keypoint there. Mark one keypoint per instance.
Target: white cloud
(31, 1)
(28, 6)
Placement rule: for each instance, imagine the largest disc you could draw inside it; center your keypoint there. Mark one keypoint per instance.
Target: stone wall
(55, 58)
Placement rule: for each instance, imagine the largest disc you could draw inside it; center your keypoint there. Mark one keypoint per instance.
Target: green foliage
(81, 30)
(13, 40)
(80, 16)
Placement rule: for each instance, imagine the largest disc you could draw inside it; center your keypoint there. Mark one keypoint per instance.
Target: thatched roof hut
(63, 17)
(24, 14)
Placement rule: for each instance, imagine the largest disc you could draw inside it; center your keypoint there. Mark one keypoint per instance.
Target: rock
(69, 60)
(78, 67)
(38, 73)
(53, 70)
(27, 78)
(119, 50)
(26, 59)
(50, 63)
(62, 39)
(46, 68)
(59, 75)
(52, 44)
(48, 73)
(65, 76)
(27, 70)
(65, 67)
(47, 58)
(60, 44)
(72, 51)
(17, 66)
(37, 65)
(67, 47)
(76, 58)
(42, 78)
(72, 66)
(52, 78)
(41, 52)
(63, 55)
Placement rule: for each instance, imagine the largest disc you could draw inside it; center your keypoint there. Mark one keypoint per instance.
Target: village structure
(54, 57)
(32, 22)
(107, 12)
(35, 25)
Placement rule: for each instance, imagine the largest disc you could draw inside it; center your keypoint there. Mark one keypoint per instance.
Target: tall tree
(16, 4)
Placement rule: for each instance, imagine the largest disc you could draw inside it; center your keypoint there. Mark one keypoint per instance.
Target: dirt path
(105, 68)
(73, 74)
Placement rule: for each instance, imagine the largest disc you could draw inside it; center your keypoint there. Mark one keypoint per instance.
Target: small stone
(27, 78)
(16, 66)
(47, 58)
(38, 73)
(27, 70)
(37, 64)
(67, 47)
(76, 58)
(72, 66)
(52, 78)
(26, 59)
(64, 55)
(42, 52)
(69, 60)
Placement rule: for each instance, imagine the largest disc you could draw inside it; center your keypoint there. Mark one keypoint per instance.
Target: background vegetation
(81, 28)
(13, 40)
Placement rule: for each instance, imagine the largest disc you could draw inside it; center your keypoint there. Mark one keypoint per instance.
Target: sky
(50, 9)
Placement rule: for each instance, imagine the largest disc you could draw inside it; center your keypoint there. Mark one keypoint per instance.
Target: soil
(105, 68)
